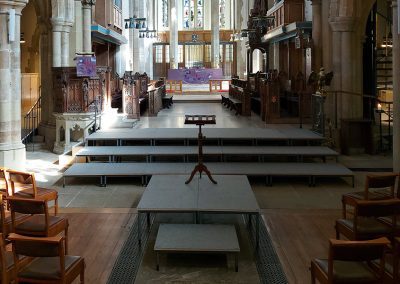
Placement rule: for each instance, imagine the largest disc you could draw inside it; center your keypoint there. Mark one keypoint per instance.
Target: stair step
(384, 62)
(35, 147)
(38, 139)
(379, 48)
(386, 88)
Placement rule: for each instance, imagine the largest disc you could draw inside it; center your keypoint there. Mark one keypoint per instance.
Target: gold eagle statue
(322, 79)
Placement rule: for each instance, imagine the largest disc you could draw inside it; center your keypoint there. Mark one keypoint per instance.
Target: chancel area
(199, 141)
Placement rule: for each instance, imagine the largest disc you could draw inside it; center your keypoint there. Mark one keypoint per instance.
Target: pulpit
(78, 103)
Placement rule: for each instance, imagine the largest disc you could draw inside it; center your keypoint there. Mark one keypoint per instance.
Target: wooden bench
(268, 170)
(236, 105)
(197, 238)
(225, 100)
(231, 103)
(167, 101)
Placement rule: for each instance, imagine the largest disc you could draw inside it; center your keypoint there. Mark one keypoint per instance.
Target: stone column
(173, 35)
(215, 34)
(76, 36)
(57, 31)
(65, 41)
(348, 68)
(317, 33)
(396, 89)
(12, 151)
(337, 79)
(344, 36)
(87, 25)
(326, 37)
(139, 52)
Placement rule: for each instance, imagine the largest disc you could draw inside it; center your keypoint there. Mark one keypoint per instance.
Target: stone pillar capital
(18, 5)
(88, 3)
(343, 24)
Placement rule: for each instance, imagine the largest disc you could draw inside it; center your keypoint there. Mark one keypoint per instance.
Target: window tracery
(164, 9)
(193, 14)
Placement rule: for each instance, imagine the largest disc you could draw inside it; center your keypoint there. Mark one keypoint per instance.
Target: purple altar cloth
(195, 75)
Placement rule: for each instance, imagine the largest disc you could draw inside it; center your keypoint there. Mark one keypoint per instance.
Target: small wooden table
(197, 238)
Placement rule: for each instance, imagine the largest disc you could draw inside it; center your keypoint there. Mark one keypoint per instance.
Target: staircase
(384, 69)
(29, 127)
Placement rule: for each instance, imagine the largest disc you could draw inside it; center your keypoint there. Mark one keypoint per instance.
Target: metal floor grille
(129, 259)
(127, 264)
(268, 265)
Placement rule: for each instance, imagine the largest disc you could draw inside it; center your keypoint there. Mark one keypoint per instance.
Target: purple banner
(195, 75)
(86, 66)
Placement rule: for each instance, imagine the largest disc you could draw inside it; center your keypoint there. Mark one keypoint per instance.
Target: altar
(195, 75)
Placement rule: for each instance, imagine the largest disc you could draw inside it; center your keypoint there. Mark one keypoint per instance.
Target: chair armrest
(53, 240)
(348, 201)
(380, 241)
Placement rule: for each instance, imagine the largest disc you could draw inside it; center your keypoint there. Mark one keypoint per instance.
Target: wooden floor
(298, 235)
(98, 236)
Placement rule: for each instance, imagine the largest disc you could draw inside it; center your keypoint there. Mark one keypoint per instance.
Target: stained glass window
(193, 14)
(222, 20)
(118, 3)
(164, 9)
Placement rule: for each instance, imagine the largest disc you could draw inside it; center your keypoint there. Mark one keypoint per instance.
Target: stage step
(182, 135)
(150, 152)
(268, 170)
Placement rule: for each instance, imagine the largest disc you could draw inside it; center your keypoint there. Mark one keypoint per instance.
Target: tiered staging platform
(113, 153)
(283, 152)
(183, 136)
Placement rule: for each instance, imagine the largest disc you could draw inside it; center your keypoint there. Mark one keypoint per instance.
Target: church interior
(200, 141)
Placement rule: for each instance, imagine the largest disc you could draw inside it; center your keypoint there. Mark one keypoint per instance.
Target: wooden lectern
(200, 120)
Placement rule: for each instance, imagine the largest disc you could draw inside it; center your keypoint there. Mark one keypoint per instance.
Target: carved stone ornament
(88, 2)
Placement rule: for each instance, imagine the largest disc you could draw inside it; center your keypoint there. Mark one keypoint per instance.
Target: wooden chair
(8, 272)
(50, 263)
(396, 261)
(40, 223)
(377, 187)
(367, 223)
(5, 219)
(3, 183)
(24, 185)
(350, 262)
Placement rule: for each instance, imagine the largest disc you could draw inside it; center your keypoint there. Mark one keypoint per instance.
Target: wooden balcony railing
(286, 12)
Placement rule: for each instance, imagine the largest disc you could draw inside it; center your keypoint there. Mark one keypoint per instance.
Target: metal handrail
(371, 102)
(32, 120)
(95, 103)
(389, 114)
(372, 109)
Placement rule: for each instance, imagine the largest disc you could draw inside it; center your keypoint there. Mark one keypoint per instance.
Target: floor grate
(128, 262)
(268, 265)
(130, 256)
